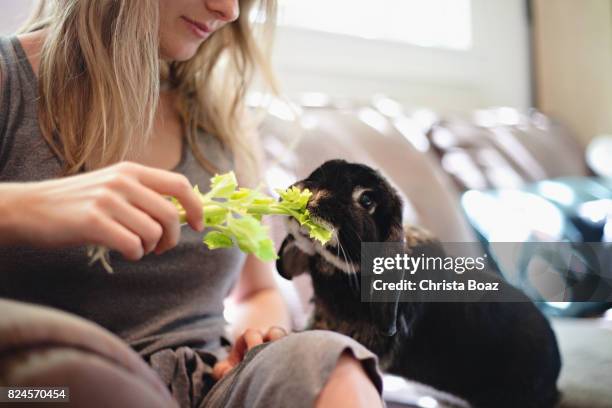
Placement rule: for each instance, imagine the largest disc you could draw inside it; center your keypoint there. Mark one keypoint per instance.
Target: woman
(118, 103)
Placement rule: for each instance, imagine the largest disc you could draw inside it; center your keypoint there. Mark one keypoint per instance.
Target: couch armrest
(44, 346)
(93, 380)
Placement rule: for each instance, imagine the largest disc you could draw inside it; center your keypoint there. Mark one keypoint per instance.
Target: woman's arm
(261, 314)
(257, 300)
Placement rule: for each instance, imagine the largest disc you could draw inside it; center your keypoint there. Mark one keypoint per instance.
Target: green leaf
(263, 200)
(294, 198)
(266, 251)
(217, 239)
(241, 194)
(318, 232)
(248, 232)
(223, 185)
(214, 214)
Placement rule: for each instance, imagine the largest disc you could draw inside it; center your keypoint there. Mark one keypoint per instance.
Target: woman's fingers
(176, 185)
(160, 209)
(274, 333)
(221, 368)
(140, 223)
(250, 339)
(113, 235)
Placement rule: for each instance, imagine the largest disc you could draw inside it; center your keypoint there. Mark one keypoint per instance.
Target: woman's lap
(291, 371)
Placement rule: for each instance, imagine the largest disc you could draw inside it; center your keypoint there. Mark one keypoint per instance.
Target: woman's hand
(249, 339)
(120, 207)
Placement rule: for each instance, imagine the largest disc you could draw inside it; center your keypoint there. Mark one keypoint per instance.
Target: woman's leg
(302, 370)
(348, 386)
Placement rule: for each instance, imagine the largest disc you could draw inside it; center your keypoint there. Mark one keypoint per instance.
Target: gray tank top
(159, 301)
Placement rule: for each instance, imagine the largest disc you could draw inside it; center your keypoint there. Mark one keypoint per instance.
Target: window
(427, 23)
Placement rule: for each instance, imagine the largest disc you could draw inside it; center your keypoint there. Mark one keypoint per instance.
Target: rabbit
(490, 354)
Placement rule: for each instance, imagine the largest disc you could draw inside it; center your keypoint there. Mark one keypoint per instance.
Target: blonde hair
(100, 75)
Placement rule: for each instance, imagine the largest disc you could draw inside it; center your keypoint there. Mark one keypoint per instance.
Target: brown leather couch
(432, 159)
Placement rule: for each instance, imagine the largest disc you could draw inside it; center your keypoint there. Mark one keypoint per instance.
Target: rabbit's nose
(298, 184)
(317, 197)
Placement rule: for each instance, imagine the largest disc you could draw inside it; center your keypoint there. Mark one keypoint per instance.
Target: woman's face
(185, 24)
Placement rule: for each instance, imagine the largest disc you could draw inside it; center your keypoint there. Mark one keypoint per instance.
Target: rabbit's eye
(366, 201)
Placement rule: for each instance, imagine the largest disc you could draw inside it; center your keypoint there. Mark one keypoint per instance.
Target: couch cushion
(586, 352)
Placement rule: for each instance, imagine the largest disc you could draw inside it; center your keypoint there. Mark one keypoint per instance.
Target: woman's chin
(179, 53)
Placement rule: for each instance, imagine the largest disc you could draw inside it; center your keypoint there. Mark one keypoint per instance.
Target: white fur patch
(310, 247)
(339, 263)
(302, 242)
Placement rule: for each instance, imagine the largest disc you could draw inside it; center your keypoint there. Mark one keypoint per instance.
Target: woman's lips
(199, 29)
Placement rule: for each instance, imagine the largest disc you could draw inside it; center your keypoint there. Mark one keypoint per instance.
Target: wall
(573, 41)
(14, 12)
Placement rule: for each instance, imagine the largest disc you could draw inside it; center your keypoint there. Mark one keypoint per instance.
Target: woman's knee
(349, 370)
(349, 386)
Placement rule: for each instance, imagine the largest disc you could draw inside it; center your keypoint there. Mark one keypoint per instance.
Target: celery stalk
(233, 216)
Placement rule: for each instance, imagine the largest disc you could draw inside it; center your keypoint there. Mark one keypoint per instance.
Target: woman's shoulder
(8, 56)
(3, 63)
(18, 82)
(13, 61)
(4, 69)
(19, 129)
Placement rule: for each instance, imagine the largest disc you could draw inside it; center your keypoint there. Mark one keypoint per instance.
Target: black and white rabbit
(491, 354)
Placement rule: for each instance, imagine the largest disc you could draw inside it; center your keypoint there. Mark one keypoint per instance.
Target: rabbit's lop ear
(395, 233)
(384, 316)
(292, 260)
(383, 311)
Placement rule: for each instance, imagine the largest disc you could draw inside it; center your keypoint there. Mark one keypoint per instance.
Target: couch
(432, 159)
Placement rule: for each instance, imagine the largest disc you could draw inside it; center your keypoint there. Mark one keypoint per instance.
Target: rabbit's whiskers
(352, 273)
(344, 255)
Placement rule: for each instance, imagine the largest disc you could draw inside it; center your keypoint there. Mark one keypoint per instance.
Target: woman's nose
(225, 10)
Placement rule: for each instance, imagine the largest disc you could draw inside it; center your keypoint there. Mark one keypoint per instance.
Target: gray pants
(290, 372)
